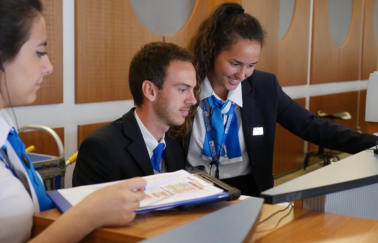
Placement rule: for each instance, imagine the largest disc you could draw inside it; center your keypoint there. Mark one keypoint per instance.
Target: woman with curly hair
(233, 127)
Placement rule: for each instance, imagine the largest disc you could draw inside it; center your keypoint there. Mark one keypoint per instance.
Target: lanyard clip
(26, 161)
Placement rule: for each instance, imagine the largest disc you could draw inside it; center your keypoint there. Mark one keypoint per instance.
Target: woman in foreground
(23, 64)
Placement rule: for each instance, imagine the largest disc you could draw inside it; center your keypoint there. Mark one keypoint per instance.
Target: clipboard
(230, 193)
(187, 190)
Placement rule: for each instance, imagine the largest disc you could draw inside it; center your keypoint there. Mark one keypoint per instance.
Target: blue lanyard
(207, 115)
(5, 159)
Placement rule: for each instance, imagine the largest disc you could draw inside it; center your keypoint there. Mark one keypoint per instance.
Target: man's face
(175, 99)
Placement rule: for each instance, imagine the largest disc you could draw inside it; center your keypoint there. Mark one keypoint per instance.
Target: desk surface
(358, 170)
(295, 225)
(144, 226)
(300, 225)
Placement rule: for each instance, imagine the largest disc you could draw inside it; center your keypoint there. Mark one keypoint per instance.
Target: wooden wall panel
(369, 44)
(288, 150)
(349, 66)
(361, 114)
(336, 103)
(201, 10)
(260, 9)
(331, 63)
(43, 142)
(108, 34)
(293, 48)
(212, 4)
(51, 91)
(372, 127)
(291, 64)
(84, 130)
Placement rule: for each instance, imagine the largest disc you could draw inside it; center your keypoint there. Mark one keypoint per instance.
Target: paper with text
(162, 191)
(185, 186)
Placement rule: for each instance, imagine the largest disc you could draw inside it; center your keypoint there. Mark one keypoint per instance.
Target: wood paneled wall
(103, 52)
(293, 48)
(336, 103)
(362, 111)
(268, 58)
(288, 150)
(108, 34)
(84, 130)
(369, 45)
(287, 58)
(330, 62)
(51, 91)
(200, 12)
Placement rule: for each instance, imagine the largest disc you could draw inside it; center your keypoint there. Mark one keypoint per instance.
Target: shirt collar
(233, 95)
(6, 125)
(150, 140)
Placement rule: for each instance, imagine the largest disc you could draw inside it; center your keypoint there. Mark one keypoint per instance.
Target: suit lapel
(248, 111)
(170, 155)
(137, 148)
(187, 142)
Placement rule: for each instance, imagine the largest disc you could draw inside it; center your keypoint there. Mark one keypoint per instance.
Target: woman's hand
(113, 205)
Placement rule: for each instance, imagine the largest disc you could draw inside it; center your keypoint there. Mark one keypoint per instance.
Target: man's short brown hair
(151, 63)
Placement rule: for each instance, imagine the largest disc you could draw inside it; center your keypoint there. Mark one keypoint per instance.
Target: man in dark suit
(162, 79)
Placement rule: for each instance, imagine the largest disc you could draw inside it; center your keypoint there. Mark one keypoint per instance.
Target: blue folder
(63, 205)
(228, 193)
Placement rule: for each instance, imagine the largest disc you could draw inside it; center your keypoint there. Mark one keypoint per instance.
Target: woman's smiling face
(234, 65)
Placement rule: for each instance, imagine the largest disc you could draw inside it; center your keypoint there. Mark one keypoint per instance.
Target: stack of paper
(163, 191)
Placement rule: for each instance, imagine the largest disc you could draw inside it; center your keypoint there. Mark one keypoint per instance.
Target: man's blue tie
(44, 201)
(156, 157)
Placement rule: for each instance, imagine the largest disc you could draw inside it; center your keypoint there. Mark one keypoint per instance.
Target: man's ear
(149, 90)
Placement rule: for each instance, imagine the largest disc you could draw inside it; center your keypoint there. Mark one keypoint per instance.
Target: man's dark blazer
(264, 105)
(117, 151)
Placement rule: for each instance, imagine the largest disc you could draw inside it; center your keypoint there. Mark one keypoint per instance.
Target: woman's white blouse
(16, 206)
(227, 168)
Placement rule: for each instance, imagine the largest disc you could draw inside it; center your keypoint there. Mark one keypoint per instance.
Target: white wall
(69, 115)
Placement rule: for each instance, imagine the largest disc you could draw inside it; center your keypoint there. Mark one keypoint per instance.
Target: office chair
(327, 157)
